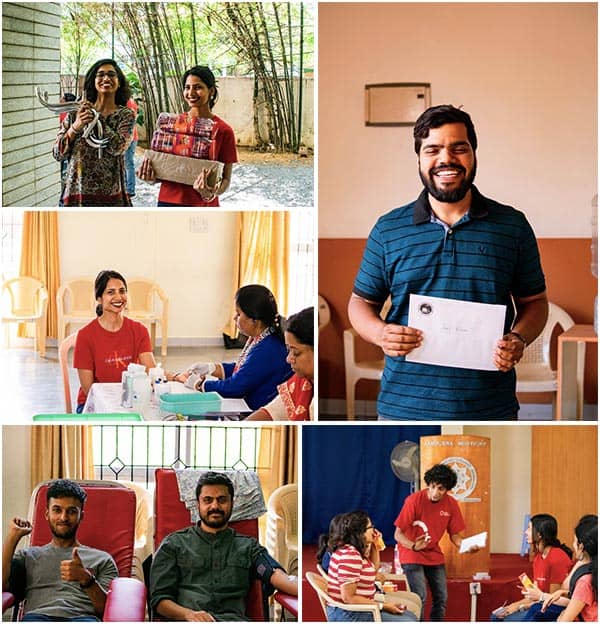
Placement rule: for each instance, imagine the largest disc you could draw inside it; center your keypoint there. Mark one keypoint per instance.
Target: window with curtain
(11, 222)
(301, 291)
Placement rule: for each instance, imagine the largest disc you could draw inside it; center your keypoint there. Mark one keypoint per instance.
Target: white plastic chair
(362, 369)
(63, 357)
(534, 372)
(142, 307)
(25, 300)
(75, 304)
(282, 526)
(319, 584)
(324, 312)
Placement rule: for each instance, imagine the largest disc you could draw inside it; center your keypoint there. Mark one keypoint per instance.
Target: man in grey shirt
(63, 580)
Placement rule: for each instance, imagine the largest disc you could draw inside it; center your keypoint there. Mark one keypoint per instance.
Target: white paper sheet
(456, 333)
(475, 540)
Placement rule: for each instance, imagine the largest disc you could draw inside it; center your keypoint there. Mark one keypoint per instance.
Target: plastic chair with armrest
(25, 300)
(141, 307)
(75, 304)
(534, 371)
(171, 514)
(359, 369)
(319, 584)
(63, 357)
(108, 504)
(282, 526)
(324, 312)
(407, 597)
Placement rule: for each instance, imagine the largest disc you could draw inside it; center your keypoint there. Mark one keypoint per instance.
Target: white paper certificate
(456, 333)
(475, 540)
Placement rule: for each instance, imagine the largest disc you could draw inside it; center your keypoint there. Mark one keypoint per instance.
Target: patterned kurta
(93, 181)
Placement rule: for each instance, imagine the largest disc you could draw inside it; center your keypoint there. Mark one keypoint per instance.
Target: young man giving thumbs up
(63, 580)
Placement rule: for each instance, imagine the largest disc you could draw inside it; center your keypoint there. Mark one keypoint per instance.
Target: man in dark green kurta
(204, 572)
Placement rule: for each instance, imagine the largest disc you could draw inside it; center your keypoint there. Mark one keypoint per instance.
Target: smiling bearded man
(452, 242)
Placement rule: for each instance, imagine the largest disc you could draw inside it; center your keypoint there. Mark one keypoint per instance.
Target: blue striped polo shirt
(488, 256)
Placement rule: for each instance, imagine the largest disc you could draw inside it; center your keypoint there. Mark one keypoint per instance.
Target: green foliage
(156, 42)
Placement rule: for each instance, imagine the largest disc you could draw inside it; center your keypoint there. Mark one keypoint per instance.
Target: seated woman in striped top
(352, 572)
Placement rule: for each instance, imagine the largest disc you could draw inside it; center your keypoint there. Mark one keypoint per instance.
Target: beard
(216, 520)
(450, 196)
(63, 531)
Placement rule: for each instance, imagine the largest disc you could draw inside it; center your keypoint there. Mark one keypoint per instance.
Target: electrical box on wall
(198, 224)
(396, 103)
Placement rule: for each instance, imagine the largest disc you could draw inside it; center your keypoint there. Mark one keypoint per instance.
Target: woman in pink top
(581, 598)
(353, 570)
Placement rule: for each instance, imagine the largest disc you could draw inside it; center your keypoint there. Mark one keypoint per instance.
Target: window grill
(133, 452)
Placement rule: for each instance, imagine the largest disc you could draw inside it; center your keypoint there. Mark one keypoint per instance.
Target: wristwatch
(517, 335)
(90, 582)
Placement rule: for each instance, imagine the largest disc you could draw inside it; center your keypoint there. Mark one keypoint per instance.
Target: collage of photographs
(299, 311)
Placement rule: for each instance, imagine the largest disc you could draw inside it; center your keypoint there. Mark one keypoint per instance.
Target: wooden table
(571, 363)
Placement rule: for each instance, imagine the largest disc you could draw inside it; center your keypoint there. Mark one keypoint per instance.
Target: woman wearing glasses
(94, 140)
(353, 570)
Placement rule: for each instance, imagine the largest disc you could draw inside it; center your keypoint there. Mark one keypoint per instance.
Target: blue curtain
(347, 467)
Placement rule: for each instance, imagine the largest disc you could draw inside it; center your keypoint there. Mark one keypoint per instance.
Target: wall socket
(474, 588)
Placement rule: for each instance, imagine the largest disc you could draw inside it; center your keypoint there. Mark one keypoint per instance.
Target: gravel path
(253, 186)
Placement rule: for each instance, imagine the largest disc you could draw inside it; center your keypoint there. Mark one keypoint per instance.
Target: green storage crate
(190, 404)
(127, 417)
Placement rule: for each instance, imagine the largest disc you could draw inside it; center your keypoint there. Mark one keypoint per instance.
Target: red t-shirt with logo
(551, 569)
(225, 151)
(108, 353)
(443, 516)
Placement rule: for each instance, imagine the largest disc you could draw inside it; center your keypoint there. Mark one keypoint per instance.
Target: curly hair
(65, 488)
(442, 475)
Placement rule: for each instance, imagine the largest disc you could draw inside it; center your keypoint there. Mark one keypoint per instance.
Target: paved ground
(258, 181)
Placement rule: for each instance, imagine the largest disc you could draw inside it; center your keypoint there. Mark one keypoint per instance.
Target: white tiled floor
(32, 385)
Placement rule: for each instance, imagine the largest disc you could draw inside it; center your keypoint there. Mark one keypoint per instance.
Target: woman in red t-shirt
(107, 345)
(200, 92)
(551, 565)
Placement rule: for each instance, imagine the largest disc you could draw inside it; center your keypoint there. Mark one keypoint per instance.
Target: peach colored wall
(570, 284)
(527, 74)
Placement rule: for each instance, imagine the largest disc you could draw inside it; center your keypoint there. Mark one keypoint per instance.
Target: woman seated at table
(579, 594)
(108, 344)
(551, 565)
(262, 365)
(294, 398)
(353, 570)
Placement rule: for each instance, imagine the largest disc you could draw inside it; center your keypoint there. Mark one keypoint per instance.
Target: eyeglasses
(370, 527)
(110, 74)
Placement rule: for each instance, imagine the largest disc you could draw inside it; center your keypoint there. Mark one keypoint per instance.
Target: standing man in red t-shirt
(424, 518)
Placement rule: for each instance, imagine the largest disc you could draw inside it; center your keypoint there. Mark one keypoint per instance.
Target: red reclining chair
(108, 524)
(171, 514)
